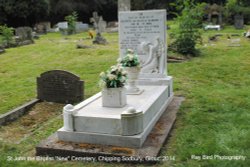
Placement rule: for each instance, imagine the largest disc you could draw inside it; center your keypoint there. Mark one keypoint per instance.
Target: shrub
(188, 35)
(7, 34)
(71, 19)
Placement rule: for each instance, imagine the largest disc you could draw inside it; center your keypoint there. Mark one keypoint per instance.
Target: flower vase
(133, 74)
(114, 97)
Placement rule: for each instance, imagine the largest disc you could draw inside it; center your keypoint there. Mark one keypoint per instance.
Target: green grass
(19, 67)
(213, 120)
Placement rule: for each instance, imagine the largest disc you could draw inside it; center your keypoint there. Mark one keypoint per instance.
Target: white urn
(133, 74)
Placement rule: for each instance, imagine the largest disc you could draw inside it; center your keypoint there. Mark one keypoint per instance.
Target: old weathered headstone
(124, 5)
(62, 27)
(102, 25)
(42, 27)
(239, 21)
(99, 27)
(234, 42)
(214, 13)
(81, 27)
(59, 86)
(24, 35)
(99, 24)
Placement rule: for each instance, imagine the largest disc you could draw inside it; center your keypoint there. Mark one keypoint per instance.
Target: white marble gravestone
(128, 126)
(124, 5)
(145, 33)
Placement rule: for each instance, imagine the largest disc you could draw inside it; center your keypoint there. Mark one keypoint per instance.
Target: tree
(72, 19)
(234, 7)
(7, 34)
(188, 34)
(23, 12)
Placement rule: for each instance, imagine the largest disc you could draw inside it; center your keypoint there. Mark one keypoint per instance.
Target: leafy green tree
(71, 19)
(23, 12)
(188, 34)
(234, 7)
(7, 34)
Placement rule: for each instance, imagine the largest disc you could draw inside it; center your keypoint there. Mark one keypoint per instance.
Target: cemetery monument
(130, 124)
(100, 27)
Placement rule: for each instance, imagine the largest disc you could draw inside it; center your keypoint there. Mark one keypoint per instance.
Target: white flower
(111, 77)
(130, 51)
(113, 68)
(123, 79)
(119, 67)
(130, 56)
(102, 74)
(102, 84)
(119, 60)
(124, 73)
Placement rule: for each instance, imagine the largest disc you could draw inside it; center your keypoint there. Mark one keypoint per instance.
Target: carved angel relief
(150, 55)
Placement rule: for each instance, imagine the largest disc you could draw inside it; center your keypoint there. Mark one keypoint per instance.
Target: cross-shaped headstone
(95, 19)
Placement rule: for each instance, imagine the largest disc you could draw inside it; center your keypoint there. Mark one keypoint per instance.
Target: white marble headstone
(145, 33)
(124, 5)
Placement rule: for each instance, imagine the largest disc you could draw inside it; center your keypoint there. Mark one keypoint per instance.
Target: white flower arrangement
(115, 77)
(130, 59)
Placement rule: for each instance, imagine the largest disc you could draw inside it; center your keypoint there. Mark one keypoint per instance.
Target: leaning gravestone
(60, 87)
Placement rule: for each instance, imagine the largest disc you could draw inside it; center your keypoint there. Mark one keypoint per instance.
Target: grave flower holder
(112, 82)
(114, 97)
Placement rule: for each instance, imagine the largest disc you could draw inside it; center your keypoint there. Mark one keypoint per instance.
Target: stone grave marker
(62, 27)
(98, 21)
(24, 35)
(124, 5)
(59, 86)
(235, 42)
(81, 27)
(145, 33)
(102, 25)
(239, 21)
(42, 27)
(131, 125)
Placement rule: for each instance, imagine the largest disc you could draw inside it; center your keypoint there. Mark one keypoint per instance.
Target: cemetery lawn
(213, 119)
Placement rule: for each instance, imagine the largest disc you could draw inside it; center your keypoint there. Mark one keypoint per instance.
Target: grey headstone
(81, 27)
(102, 25)
(124, 5)
(42, 27)
(24, 33)
(59, 86)
(62, 25)
(239, 21)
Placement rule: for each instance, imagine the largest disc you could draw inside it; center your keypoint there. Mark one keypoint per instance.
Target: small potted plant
(112, 82)
(131, 64)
